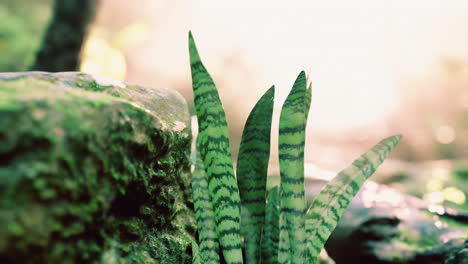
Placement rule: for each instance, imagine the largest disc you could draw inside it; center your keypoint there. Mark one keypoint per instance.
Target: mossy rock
(92, 171)
(385, 226)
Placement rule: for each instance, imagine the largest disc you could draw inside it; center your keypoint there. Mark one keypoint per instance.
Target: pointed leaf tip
(327, 208)
(302, 76)
(396, 138)
(190, 37)
(216, 156)
(270, 94)
(252, 171)
(194, 56)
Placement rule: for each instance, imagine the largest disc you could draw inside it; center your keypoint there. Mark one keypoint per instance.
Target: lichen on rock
(92, 171)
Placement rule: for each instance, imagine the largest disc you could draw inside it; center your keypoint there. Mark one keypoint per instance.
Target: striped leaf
(271, 229)
(284, 253)
(196, 259)
(327, 208)
(308, 100)
(207, 238)
(216, 155)
(252, 168)
(292, 241)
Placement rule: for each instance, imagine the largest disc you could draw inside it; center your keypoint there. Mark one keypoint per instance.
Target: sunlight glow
(445, 134)
(451, 194)
(357, 53)
(100, 58)
(373, 194)
(440, 224)
(434, 185)
(436, 209)
(434, 197)
(454, 195)
(132, 35)
(441, 173)
(313, 171)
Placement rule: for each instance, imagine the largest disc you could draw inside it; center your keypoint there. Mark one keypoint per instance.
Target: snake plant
(238, 219)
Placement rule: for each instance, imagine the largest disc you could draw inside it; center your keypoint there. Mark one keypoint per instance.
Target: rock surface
(92, 171)
(384, 226)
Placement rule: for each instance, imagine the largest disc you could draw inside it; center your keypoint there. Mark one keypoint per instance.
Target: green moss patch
(89, 173)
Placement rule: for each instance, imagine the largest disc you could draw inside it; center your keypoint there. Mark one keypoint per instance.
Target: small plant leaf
(291, 160)
(252, 172)
(325, 211)
(308, 100)
(271, 229)
(196, 259)
(207, 238)
(216, 155)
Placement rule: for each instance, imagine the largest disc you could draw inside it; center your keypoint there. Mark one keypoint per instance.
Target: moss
(415, 241)
(90, 177)
(409, 241)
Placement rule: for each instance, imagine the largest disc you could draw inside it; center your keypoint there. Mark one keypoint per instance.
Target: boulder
(384, 226)
(93, 171)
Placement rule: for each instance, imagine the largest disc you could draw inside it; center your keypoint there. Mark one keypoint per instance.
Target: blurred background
(378, 68)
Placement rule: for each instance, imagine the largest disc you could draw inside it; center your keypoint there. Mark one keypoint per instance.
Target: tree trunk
(62, 42)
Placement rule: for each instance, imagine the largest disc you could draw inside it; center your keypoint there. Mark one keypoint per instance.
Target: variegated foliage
(236, 216)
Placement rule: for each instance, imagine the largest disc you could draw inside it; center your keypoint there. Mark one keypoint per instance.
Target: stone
(385, 226)
(93, 171)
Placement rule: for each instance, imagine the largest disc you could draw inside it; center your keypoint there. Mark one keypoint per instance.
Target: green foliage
(270, 233)
(204, 214)
(292, 238)
(252, 168)
(213, 141)
(278, 227)
(14, 44)
(21, 32)
(327, 208)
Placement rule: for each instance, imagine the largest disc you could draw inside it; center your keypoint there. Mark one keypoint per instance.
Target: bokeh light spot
(454, 195)
(434, 197)
(445, 134)
(100, 58)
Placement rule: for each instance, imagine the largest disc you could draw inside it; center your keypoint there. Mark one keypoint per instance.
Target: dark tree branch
(62, 42)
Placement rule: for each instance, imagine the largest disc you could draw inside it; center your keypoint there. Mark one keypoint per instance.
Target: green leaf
(252, 172)
(271, 229)
(308, 100)
(196, 259)
(207, 238)
(216, 155)
(327, 208)
(292, 239)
